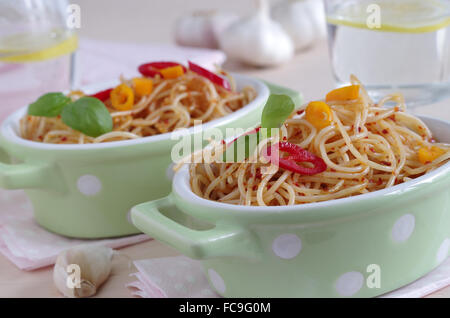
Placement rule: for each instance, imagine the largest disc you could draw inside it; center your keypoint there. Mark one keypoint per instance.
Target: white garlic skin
(201, 28)
(317, 11)
(295, 18)
(257, 40)
(95, 263)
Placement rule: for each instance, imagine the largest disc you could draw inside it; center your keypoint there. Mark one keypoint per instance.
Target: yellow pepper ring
(318, 114)
(122, 97)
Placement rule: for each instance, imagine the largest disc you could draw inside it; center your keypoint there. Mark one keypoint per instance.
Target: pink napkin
(100, 61)
(182, 277)
(28, 245)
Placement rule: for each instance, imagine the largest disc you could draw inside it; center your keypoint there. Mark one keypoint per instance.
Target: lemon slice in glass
(32, 47)
(407, 16)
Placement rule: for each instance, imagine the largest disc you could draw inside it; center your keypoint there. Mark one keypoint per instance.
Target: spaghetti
(365, 146)
(174, 100)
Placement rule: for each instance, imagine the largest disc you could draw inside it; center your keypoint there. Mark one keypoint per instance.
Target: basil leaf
(296, 97)
(48, 105)
(276, 111)
(89, 116)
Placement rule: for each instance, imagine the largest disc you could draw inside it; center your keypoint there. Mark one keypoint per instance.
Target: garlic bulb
(79, 271)
(317, 14)
(257, 40)
(201, 28)
(303, 20)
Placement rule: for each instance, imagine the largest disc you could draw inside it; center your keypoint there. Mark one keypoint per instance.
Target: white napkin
(182, 277)
(171, 277)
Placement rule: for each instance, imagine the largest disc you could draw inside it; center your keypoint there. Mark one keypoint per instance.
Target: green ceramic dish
(360, 246)
(86, 191)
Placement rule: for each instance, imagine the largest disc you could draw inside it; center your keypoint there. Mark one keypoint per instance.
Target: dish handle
(27, 176)
(222, 240)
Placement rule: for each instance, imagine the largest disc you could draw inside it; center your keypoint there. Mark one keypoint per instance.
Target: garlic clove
(295, 18)
(195, 30)
(201, 28)
(60, 278)
(81, 270)
(87, 289)
(257, 40)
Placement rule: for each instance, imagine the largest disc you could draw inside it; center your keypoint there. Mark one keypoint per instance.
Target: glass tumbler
(37, 49)
(392, 46)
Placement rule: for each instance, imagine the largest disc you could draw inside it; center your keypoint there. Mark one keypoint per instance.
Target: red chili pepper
(216, 79)
(154, 68)
(296, 154)
(102, 95)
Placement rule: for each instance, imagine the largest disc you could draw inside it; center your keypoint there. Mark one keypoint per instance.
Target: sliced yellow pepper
(122, 97)
(318, 114)
(172, 72)
(427, 155)
(343, 93)
(142, 86)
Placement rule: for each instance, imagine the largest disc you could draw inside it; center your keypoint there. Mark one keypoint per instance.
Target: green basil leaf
(48, 105)
(297, 97)
(89, 116)
(276, 111)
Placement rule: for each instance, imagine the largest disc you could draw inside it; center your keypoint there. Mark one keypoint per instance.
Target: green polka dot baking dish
(260, 234)
(87, 190)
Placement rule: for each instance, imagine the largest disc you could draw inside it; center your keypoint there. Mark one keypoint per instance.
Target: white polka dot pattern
(129, 217)
(169, 172)
(287, 246)
(349, 283)
(443, 251)
(403, 228)
(89, 185)
(217, 281)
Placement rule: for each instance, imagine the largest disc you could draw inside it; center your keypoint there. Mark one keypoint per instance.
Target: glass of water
(36, 51)
(392, 46)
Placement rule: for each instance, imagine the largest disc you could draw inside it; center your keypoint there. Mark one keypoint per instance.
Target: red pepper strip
(154, 68)
(297, 154)
(216, 79)
(102, 95)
